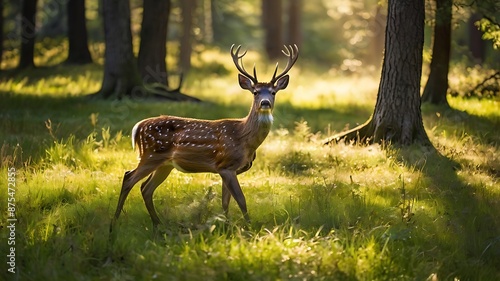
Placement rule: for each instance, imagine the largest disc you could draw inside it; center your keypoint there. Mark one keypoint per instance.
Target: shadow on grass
(478, 130)
(482, 128)
(33, 75)
(443, 223)
(469, 217)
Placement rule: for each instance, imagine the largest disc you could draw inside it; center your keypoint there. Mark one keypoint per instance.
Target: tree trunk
(476, 42)
(437, 84)
(273, 30)
(153, 46)
(397, 118)
(208, 32)
(121, 76)
(1, 31)
(77, 33)
(188, 8)
(295, 22)
(153, 50)
(28, 21)
(217, 22)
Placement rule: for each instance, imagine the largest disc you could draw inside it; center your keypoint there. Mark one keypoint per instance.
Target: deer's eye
(273, 93)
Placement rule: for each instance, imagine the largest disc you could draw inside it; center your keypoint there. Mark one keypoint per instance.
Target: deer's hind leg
(149, 187)
(131, 178)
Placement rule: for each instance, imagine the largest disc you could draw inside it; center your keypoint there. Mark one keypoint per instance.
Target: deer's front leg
(230, 181)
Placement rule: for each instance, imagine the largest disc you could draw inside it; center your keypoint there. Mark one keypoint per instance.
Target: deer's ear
(282, 83)
(245, 83)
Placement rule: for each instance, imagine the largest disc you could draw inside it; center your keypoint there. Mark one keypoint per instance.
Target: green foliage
(491, 32)
(478, 83)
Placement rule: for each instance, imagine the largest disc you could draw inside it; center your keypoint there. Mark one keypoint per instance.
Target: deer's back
(193, 145)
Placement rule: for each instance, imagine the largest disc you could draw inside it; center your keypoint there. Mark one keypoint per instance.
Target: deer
(226, 147)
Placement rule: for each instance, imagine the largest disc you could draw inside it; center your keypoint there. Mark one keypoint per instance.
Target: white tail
(226, 146)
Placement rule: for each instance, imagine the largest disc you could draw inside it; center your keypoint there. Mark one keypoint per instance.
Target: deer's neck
(256, 127)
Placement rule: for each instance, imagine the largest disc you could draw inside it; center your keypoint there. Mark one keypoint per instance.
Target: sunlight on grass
(488, 107)
(314, 93)
(70, 84)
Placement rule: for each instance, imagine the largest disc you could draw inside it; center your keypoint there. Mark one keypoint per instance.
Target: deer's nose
(264, 104)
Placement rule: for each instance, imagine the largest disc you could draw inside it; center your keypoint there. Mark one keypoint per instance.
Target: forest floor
(340, 212)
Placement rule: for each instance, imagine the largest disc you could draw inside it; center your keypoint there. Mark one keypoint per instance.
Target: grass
(343, 212)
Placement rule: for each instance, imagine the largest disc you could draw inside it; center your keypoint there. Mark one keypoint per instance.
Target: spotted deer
(226, 147)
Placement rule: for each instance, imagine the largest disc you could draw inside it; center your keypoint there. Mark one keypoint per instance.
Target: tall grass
(341, 212)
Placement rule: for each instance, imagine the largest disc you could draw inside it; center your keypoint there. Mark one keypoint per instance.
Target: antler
(237, 59)
(293, 55)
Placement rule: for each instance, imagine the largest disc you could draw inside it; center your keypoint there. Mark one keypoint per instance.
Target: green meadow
(340, 212)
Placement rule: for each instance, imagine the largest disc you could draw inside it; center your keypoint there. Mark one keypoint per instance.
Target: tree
(273, 31)
(153, 46)
(1, 30)
(437, 83)
(295, 22)
(188, 8)
(397, 118)
(77, 33)
(207, 26)
(28, 25)
(121, 76)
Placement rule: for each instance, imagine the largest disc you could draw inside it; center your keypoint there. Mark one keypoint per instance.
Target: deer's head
(264, 92)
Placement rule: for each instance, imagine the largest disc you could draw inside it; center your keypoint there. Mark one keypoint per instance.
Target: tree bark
(121, 76)
(295, 22)
(153, 46)
(28, 21)
(397, 118)
(273, 30)
(77, 33)
(188, 8)
(437, 85)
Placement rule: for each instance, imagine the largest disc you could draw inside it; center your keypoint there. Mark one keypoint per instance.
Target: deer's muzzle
(265, 105)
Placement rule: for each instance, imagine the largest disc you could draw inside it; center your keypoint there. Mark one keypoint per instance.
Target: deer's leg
(230, 180)
(149, 187)
(226, 197)
(130, 179)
